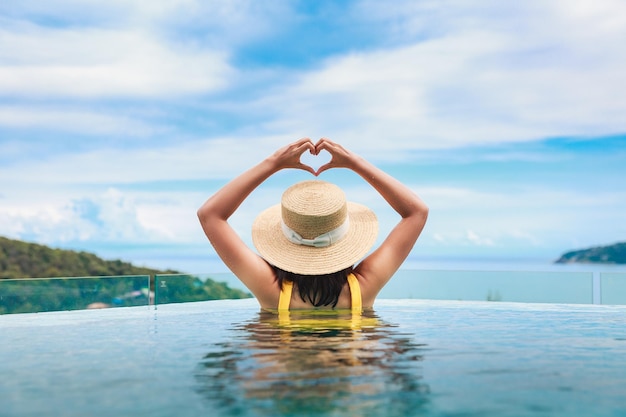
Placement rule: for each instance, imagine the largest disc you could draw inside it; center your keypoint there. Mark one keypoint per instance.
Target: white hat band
(320, 241)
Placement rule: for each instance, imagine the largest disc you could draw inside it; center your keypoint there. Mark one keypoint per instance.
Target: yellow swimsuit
(355, 294)
(320, 319)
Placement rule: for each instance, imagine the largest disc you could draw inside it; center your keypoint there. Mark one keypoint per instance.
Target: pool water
(226, 358)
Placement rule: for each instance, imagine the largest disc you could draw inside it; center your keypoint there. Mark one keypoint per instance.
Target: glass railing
(613, 287)
(53, 294)
(516, 286)
(183, 288)
(34, 295)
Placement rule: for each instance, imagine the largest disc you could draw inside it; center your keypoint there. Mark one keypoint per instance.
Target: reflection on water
(314, 363)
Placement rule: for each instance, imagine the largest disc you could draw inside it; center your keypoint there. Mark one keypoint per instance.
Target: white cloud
(127, 49)
(214, 21)
(74, 119)
(537, 218)
(220, 158)
(482, 75)
(475, 239)
(109, 216)
(70, 62)
(451, 73)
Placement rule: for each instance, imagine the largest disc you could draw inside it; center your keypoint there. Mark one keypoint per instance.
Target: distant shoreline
(606, 255)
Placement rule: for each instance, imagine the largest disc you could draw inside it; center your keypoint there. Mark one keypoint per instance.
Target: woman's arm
(376, 269)
(250, 268)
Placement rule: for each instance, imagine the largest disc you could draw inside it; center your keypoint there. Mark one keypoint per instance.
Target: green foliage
(38, 295)
(183, 288)
(612, 254)
(120, 283)
(29, 260)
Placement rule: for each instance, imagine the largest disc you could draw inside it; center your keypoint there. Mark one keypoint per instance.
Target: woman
(313, 240)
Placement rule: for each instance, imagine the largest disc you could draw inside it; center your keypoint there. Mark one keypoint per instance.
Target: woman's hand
(289, 156)
(340, 157)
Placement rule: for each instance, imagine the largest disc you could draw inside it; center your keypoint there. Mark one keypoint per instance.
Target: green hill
(611, 254)
(20, 259)
(122, 284)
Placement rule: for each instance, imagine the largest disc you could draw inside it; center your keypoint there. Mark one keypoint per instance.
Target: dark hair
(319, 290)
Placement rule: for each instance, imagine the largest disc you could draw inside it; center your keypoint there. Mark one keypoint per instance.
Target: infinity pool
(225, 358)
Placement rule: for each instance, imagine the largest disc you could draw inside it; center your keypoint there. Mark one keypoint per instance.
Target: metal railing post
(596, 288)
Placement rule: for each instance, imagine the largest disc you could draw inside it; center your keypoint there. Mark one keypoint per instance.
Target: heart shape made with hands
(316, 161)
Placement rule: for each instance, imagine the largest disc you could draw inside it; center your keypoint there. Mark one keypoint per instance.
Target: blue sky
(119, 118)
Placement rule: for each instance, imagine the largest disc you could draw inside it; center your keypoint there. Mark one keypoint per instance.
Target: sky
(119, 118)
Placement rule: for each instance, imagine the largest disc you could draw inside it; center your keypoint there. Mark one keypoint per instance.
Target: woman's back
(314, 231)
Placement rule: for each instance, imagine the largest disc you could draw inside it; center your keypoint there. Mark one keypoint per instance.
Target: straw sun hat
(314, 230)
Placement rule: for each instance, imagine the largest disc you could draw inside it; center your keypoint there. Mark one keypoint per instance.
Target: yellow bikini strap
(355, 294)
(285, 295)
(284, 298)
